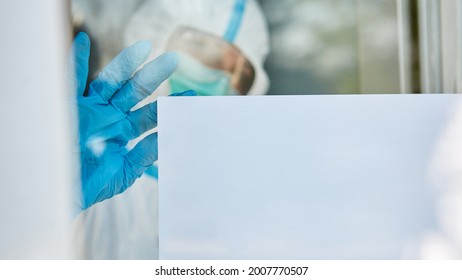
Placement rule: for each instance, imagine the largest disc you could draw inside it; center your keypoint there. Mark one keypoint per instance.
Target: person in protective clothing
(216, 47)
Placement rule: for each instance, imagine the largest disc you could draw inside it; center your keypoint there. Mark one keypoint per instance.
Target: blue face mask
(205, 81)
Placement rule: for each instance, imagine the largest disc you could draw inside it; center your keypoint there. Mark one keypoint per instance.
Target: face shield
(211, 65)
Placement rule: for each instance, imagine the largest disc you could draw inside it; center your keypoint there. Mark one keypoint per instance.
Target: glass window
(330, 46)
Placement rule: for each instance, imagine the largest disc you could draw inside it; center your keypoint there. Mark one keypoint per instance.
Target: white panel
(307, 177)
(34, 150)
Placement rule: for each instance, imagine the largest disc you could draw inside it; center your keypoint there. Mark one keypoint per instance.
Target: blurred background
(363, 46)
(328, 46)
(322, 47)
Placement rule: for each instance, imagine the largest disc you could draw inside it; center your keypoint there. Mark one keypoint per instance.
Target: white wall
(34, 146)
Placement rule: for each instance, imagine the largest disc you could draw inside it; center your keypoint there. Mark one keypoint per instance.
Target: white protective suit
(126, 226)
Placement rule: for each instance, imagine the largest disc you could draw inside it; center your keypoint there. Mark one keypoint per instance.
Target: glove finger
(141, 156)
(120, 69)
(184, 93)
(135, 162)
(78, 62)
(145, 81)
(145, 118)
(120, 173)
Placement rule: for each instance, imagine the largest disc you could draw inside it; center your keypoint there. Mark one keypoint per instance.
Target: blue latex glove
(106, 122)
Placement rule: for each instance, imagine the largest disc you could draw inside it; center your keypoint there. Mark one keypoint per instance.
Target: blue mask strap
(235, 21)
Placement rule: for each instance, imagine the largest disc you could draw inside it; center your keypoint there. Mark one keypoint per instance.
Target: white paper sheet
(303, 177)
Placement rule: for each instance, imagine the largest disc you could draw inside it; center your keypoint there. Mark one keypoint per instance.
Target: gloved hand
(106, 122)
